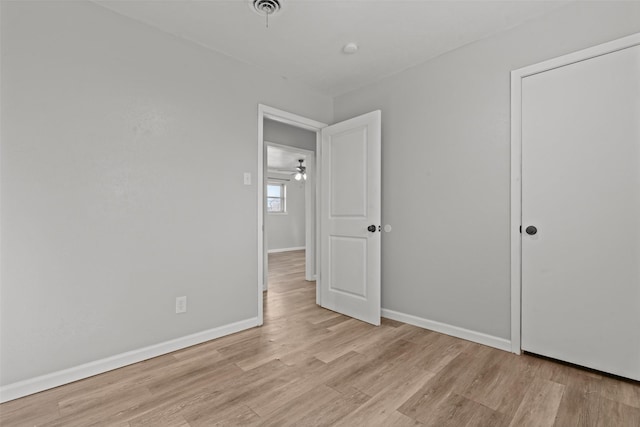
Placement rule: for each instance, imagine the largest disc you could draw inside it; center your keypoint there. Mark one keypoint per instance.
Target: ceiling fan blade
(289, 171)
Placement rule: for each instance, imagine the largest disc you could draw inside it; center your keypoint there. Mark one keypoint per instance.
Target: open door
(350, 217)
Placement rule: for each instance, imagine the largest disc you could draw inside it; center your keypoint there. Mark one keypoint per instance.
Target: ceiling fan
(299, 172)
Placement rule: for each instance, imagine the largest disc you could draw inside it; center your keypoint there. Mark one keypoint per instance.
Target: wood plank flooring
(312, 367)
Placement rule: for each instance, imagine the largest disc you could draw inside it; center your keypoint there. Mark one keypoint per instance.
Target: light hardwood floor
(308, 366)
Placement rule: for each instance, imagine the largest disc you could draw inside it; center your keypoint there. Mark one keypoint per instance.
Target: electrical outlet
(181, 305)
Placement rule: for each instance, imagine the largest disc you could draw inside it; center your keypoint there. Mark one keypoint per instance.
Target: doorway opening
(289, 221)
(347, 242)
(270, 115)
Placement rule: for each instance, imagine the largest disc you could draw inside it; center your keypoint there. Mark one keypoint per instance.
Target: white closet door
(581, 190)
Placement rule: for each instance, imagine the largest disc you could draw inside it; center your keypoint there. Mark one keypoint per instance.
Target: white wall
(288, 230)
(446, 166)
(123, 152)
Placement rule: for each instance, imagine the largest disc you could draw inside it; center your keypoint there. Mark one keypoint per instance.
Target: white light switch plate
(247, 178)
(181, 304)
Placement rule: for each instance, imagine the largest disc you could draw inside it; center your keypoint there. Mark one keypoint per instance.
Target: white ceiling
(279, 159)
(304, 41)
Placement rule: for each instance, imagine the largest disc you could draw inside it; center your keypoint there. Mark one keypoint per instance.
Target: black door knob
(531, 230)
(372, 228)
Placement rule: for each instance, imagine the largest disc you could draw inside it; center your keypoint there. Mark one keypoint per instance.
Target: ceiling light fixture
(301, 171)
(266, 8)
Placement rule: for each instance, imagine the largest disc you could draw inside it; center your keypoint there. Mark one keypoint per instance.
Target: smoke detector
(350, 48)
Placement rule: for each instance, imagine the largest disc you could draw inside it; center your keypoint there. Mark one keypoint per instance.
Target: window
(276, 202)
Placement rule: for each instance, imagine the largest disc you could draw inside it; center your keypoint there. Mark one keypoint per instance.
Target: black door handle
(531, 230)
(372, 228)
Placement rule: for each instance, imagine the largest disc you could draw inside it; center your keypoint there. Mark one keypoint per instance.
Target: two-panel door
(350, 217)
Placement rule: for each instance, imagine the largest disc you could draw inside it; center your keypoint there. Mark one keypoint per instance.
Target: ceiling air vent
(266, 7)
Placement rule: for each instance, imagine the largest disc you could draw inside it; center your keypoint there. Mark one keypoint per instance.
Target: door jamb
(516, 163)
(266, 112)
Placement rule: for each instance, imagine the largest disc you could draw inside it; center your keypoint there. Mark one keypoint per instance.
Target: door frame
(309, 212)
(516, 164)
(267, 112)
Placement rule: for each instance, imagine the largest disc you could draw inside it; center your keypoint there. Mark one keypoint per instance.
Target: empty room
(319, 213)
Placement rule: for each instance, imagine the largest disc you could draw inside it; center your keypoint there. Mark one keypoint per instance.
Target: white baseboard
(298, 248)
(454, 331)
(55, 379)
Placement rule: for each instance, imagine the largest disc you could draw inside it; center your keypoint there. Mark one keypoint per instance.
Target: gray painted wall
(292, 136)
(288, 230)
(445, 163)
(122, 156)
(123, 152)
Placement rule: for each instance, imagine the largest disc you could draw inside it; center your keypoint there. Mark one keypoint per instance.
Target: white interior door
(350, 204)
(581, 190)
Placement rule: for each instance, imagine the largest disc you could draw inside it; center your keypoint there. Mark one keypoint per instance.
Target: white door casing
(350, 202)
(579, 126)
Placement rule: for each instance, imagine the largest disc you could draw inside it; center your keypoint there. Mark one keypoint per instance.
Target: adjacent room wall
(123, 152)
(446, 165)
(285, 231)
(291, 136)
